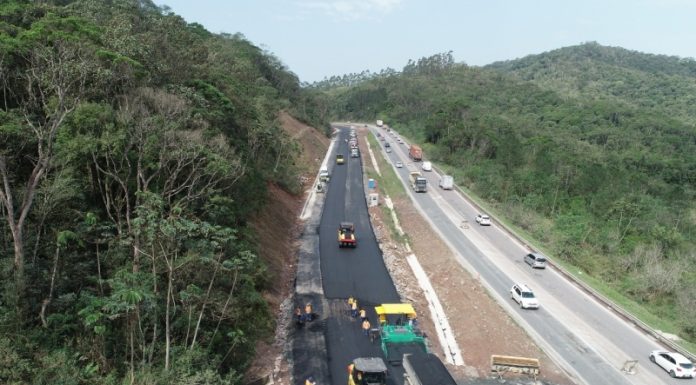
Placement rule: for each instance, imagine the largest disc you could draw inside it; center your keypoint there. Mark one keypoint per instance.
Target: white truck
(380, 123)
(447, 182)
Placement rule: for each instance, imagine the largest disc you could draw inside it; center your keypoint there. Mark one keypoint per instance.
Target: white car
(398, 164)
(523, 295)
(674, 363)
(483, 220)
(427, 166)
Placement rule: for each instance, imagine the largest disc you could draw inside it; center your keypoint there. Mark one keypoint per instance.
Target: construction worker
(350, 301)
(354, 309)
(299, 317)
(366, 327)
(310, 381)
(363, 314)
(308, 311)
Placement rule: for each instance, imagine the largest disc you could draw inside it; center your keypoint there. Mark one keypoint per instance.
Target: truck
(415, 153)
(447, 182)
(346, 235)
(418, 182)
(367, 371)
(379, 123)
(425, 368)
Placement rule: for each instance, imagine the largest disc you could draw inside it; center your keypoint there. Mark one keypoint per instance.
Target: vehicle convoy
(367, 371)
(346, 235)
(399, 333)
(447, 182)
(415, 153)
(673, 363)
(418, 182)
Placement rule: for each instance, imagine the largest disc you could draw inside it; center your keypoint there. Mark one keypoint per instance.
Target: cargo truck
(418, 182)
(415, 153)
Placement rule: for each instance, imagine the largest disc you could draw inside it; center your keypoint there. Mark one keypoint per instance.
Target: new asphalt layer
(329, 275)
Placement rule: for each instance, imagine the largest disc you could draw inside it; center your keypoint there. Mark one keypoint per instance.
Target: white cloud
(351, 9)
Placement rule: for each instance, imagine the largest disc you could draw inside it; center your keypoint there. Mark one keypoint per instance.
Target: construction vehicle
(399, 333)
(346, 235)
(425, 368)
(415, 153)
(418, 182)
(367, 371)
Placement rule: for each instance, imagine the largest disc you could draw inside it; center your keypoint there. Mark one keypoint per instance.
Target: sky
(320, 38)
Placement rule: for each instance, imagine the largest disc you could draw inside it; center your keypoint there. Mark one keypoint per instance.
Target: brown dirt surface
(279, 252)
(481, 326)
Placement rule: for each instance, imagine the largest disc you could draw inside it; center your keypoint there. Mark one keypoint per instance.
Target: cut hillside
(276, 226)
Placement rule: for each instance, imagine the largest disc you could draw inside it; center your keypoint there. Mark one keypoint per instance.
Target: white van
(324, 174)
(447, 182)
(427, 166)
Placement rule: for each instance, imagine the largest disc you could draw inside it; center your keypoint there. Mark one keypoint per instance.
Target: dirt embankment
(277, 246)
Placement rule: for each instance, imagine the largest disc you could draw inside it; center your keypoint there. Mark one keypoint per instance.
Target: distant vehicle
(673, 363)
(523, 295)
(399, 140)
(386, 144)
(415, 153)
(535, 260)
(483, 220)
(346, 235)
(388, 149)
(379, 123)
(427, 166)
(398, 164)
(418, 183)
(447, 182)
(354, 153)
(324, 174)
(339, 159)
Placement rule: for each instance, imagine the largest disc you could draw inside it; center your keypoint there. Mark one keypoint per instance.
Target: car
(427, 166)
(388, 149)
(340, 159)
(387, 145)
(483, 220)
(398, 164)
(523, 295)
(673, 363)
(535, 260)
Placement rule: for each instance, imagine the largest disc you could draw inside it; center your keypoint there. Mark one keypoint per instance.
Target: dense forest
(589, 149)
(134, 150)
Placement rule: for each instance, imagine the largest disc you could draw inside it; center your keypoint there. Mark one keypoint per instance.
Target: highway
(589, 341)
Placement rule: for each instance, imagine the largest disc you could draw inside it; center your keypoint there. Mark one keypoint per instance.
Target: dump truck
(367, 371)
(346, 235)
(425, 369)
(418, 182)
(415, 153)
(399, 333)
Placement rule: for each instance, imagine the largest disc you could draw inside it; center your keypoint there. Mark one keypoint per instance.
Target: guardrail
(585, 287)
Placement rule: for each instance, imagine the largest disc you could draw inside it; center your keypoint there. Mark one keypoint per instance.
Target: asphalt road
(588, 340)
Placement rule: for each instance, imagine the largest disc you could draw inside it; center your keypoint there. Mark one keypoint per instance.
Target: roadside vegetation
(589, 150)
(134, 150)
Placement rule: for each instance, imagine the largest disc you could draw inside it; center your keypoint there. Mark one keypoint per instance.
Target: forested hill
(653, 82)
(134, 149)
(598, 180)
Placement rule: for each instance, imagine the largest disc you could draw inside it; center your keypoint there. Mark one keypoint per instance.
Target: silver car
(535, 260)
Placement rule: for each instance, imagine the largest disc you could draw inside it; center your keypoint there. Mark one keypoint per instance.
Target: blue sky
(320, 38)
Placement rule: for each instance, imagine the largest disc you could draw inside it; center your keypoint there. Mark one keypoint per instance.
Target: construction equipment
(512, 364)
(425, 369)
(346, 235)
(399, 333)
(367, 371)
